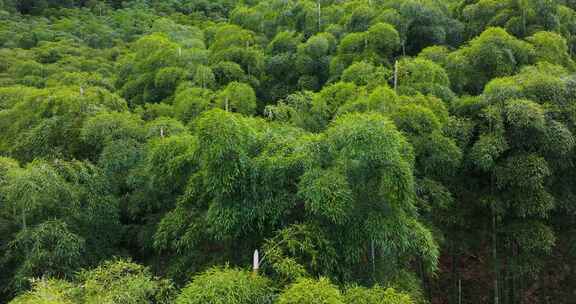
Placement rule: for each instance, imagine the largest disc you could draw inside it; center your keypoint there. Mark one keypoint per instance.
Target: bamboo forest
(287, 151)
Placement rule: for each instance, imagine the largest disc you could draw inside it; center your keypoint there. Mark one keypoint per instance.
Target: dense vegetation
(373, 151)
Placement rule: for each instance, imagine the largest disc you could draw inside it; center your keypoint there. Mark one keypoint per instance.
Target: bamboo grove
(372, 151)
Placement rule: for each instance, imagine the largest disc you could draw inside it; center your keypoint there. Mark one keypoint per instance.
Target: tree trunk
(396, 76)
(454, 293)
(495, 258)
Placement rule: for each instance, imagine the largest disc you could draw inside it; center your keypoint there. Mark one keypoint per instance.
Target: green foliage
(122, 281)
(189, 103)
(358, 141)
(327, 194)
(416, 71)
(225, 285)
(519, 17)
(100, 131)
(311, 291)
(48, 292)
(298, 251)
(237, 97)
(383, 39)
(495, 53)
(48, 249)
(362, 73)
(155, 70)
(375, 45)
(375, 295)
(374, 158)
(46, 122)
(423, 76)
(56, 206)
(552, 48)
